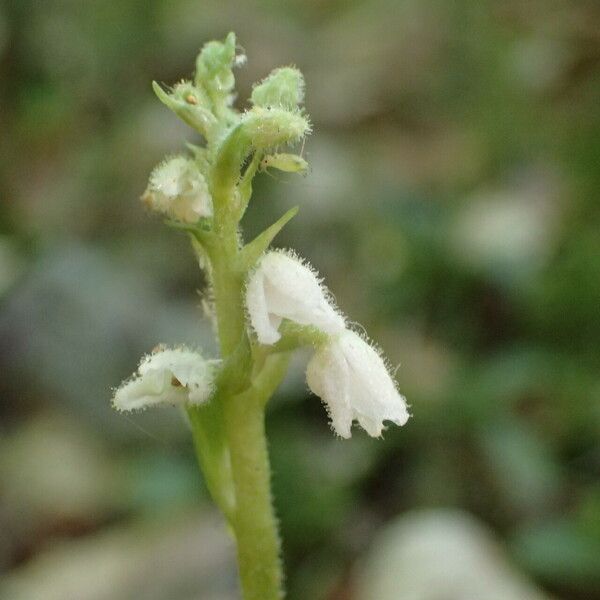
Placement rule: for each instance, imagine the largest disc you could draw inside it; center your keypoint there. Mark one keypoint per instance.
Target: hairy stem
(253, 519)
(254, 523)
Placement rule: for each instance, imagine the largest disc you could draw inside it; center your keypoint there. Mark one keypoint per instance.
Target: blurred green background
(452, 206)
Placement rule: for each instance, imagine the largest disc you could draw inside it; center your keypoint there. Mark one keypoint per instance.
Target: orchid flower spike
(172, 377)
(282, 287)
(178, 190)
(353, 381)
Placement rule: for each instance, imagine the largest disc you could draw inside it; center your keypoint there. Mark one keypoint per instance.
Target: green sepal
(252, 251)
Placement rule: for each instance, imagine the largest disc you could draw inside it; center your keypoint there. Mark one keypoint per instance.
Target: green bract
(190, 104)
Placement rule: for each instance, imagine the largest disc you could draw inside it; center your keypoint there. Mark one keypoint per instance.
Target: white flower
(175, 377)
(352, 379)
(281, 287)
(178, 189)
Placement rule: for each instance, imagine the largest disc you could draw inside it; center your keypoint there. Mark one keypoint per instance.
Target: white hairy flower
(178, 189)
(282, 287)
(176, 377)
(353, 381)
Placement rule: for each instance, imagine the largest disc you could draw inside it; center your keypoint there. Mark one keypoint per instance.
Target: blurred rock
(509, 233)
(52, 468)
(440, 554)
(77, 325)
(422, 364)
(188, 558)
(541, 62)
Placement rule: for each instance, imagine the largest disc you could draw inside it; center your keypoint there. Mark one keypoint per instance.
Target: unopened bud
(283, 88)
(214, 69)
(288, 163)
(272, 127)
(178, 190)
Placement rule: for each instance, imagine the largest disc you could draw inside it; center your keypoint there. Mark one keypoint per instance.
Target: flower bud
(271, 127)
(214, 69)
(351, 378)
(178, 190)
(289, 163)
(283, 88)
(172, 377)
(281, 287)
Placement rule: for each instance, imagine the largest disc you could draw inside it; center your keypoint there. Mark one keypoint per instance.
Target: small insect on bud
(178, 190)
(289, 163)
(282, 287)
(190, 103)
(172, 377)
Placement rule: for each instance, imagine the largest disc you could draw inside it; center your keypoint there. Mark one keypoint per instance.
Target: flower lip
(167, 377)
(352, 379)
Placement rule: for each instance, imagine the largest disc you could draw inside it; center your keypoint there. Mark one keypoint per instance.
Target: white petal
(142, 392)
(281, 287)
(352, 379)
(327, 375)
(262, 321)
(171, 377)
(168, 177)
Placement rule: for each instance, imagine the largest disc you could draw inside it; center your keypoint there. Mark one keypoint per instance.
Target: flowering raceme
(282, 287)
(170, 377)
(266, 304)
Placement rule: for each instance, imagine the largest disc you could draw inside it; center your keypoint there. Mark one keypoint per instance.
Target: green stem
(252, 519)
(254, 523)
